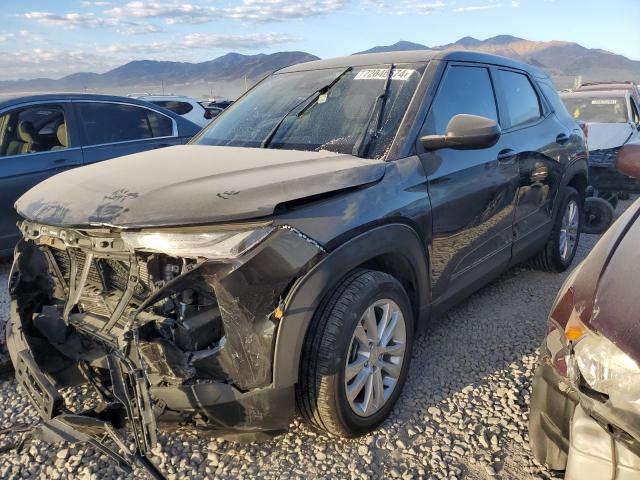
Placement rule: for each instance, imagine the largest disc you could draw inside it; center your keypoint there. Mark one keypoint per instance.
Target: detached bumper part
(552, 406)
(594, 453)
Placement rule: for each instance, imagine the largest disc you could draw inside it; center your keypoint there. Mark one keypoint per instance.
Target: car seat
(25, 141)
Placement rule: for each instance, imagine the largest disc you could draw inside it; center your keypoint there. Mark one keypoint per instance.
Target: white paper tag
(604, 101)
(381, 74)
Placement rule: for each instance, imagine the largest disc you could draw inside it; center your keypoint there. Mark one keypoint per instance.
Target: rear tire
(329, 361)
(598, 215)
(556, 256)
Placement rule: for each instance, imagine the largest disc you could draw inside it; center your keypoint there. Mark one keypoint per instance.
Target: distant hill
(228, 68)
(562, 60)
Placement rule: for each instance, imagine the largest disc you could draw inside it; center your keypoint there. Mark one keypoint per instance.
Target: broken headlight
(605, 367)
(213, 245)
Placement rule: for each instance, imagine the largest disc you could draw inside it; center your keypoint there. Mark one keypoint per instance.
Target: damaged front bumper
(162, 341)
(566, 415)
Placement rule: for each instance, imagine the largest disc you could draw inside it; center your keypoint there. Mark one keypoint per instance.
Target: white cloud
(91, 20)
(258, 11)
(472, 8)
(204, 41)
(69, 20)
(515, 3)
(406, 7)
(95, 4)
(48, 62)
(5, 37)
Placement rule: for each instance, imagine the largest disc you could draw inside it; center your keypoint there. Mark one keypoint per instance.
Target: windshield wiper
(361, 146)
(305, 104)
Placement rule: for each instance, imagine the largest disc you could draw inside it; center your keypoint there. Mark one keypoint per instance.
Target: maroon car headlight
(604, 367)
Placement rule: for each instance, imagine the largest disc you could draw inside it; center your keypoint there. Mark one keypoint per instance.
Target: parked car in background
(612, 119)
(217, 103)
(630, 86)
(288, 256)
(186, 107)
(212, 112)
(585, 414)
(45, 134)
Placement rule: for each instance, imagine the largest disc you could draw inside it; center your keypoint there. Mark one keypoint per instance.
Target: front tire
(356, 355)
(561, 247)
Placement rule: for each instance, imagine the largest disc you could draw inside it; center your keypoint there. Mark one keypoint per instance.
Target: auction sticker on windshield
(604, 101)
(381, 74)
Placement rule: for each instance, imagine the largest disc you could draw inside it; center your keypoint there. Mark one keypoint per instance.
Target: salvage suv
(287, 257)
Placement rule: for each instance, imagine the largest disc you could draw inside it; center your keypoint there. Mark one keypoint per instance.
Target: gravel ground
(463, 413)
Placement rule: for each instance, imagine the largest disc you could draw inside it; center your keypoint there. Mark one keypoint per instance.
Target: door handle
(507, 155)
(58, 161)
(562, 138)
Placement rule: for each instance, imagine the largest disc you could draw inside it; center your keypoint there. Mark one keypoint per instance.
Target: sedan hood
(605, 288)
(191, 184)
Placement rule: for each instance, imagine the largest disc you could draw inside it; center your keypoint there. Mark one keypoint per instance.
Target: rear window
(179, 108)
(521, 100)
(597, 109)
(114, 122)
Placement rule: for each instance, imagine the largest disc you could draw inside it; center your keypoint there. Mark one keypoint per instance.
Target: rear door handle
(58, 161)
(507, 155)
(562, 138)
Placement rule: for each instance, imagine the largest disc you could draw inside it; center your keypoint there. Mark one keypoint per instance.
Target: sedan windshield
(597, 109)
(355, 111)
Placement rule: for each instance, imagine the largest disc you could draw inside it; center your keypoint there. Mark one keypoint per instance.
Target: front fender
(305, 296)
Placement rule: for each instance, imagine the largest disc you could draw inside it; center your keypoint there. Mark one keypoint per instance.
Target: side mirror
(628, 160)
(465, 132)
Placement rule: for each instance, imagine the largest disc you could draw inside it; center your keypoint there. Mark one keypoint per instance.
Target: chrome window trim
(60, 150)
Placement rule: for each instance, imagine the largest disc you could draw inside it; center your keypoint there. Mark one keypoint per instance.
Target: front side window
(597, 108)
(114, 122)
(340, 110)
(33, 129)
(521, 100)
(464, 90)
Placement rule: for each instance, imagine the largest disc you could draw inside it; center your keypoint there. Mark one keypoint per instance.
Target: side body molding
(300, 305)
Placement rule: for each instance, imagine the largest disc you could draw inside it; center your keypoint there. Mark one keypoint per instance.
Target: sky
(54, 38)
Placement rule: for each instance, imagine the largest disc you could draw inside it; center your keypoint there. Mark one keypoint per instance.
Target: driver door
(472, 192)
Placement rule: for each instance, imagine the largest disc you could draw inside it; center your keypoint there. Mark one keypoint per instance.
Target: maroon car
(585, 407)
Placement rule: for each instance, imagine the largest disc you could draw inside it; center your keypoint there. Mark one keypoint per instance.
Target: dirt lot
(463, 413)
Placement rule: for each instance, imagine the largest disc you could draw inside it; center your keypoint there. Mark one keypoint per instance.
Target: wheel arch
(396, 249)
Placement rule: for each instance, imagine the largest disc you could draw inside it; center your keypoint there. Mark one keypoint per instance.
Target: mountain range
(564, 61)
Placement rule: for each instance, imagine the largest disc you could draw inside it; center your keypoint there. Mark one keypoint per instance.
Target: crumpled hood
(191, 184)
(603, 136)
(606, 287)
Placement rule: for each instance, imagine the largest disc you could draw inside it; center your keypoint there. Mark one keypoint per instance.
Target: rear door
(112, 129)
(472, 192)
(542, 146)
(36, 142)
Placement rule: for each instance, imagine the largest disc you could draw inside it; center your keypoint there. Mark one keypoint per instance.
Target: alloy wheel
(376, 355)
(569, 230)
